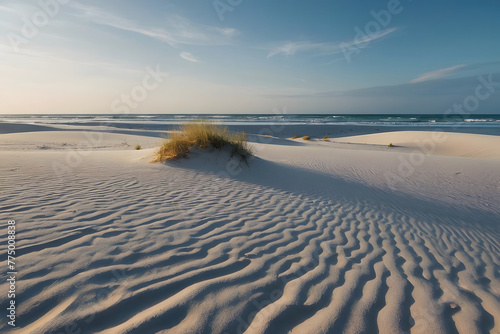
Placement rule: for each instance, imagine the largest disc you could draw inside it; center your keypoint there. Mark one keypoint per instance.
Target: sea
(438, 120)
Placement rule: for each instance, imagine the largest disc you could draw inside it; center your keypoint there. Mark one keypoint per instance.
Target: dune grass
(326, 138)
(390, 145)
(138, 147)
(306, 138)
(295, 137)
(203, 135)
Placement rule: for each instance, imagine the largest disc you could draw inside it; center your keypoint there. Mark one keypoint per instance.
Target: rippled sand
(306, 239)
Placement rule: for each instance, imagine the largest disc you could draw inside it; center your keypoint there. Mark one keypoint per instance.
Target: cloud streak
(323, 49)
(292, 48)
(460, 87)
(439, 74)
(7, 9)
(19, 61)
(175, 31)
(189, 57)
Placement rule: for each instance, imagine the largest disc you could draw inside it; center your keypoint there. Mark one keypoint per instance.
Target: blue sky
(248, 56)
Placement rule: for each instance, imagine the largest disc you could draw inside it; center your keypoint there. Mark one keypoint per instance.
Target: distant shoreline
(281, 118)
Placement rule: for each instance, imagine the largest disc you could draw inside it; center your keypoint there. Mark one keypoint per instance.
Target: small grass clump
(326, 138)
(295, 137)
(306, 138)
(138, 147)
(202, 135)
(390, 145)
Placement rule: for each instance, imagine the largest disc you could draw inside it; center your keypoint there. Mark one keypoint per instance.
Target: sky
(250, 56)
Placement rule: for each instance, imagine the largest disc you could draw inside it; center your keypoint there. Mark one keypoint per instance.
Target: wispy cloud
(175, 30)
(189, 57)
(292, 48)
(439, 74)
(19, 60)
(367, 39)
(12, 12)
(433, 88)
(228, 32)
(8, 9)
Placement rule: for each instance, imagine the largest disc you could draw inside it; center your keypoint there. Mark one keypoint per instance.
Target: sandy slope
(308, 239)
(440, 143)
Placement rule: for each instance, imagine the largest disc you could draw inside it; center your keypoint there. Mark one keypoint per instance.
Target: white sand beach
(340, 236)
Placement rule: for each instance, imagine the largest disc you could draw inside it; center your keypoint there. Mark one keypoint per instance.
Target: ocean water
(256, 119)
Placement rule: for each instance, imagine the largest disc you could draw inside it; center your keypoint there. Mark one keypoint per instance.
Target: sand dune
(293, 243)
(440, 143)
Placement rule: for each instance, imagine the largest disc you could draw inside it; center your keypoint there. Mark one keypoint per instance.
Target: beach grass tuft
(326, 138)
(390, 145)
(295, 137)
(306, 138)
(138, 147)
(203, 135)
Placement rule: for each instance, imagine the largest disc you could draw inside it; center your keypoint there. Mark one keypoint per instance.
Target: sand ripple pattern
(160, 249)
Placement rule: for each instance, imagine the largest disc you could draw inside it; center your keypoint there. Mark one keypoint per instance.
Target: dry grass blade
(202, 135)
